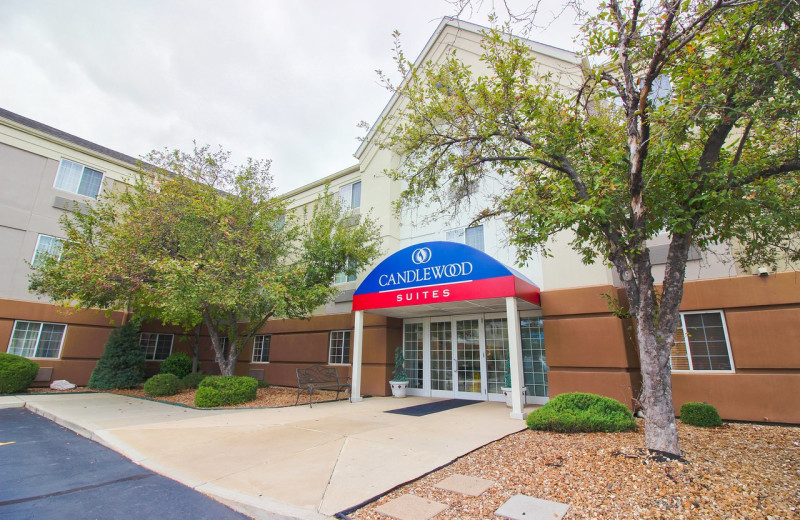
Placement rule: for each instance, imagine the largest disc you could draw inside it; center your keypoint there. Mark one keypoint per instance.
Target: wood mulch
(272, 397)
(737, 471)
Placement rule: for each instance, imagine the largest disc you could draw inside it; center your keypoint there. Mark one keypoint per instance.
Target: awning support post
(358, 340)
(515, 358)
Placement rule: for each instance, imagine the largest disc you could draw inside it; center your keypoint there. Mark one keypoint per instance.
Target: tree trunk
(661, 431)
(196, 349)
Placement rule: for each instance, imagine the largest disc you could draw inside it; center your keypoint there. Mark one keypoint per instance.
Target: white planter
(399, 388)
(507, 395)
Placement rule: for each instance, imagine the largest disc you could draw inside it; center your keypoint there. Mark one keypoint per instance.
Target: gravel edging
(739, 470)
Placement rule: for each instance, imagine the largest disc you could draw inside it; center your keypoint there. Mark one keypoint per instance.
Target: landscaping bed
(742, 471)
(272, 397)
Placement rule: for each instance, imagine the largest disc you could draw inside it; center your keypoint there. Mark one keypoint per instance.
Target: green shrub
(178, 364)
(263, 384)
(700, 414)
(579, 412)
(122, 363)
(16, 373)
(161, 385)
(192, 379)
(225, 391)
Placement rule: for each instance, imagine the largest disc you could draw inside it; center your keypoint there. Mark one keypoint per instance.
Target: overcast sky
(286, 80)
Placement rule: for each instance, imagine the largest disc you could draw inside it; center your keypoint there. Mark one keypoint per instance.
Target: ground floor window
(339, 351)
(412, 353)
(701, 343)
(156, 346)
(534, 365)
(34, 339)
(261, 348)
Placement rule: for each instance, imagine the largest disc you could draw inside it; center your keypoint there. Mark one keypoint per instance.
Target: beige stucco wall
(29, 161)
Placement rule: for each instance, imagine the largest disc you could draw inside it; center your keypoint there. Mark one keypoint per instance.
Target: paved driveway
(49, 472)
(299, 462)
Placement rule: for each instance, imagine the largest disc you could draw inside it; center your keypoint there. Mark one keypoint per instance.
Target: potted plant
(399, 382)
(507, 389)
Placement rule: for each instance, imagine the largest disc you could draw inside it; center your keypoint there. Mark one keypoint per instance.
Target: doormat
(429, 408)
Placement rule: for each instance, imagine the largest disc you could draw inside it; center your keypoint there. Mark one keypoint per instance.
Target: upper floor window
(351, 195)
(34, 339)
(77, 178)
(471, 236)
(701, 343)
(157, 347)
(261, 348)
(46, 246)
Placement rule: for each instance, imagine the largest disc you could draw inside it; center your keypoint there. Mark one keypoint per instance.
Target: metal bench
(319, 377)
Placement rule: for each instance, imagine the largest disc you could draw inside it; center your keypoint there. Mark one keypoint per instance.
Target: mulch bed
(737, 471)
(272, 397)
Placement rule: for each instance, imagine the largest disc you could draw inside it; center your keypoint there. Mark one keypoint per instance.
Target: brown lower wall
(294, 344)
(587, 348)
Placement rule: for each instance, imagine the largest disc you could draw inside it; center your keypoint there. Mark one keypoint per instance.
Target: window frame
(269, 349)
(99, 189)
(158, 334)
(38, 337)
(349, 203)
(461, 233)
(691, 369)
(39, 241)
(349, 348)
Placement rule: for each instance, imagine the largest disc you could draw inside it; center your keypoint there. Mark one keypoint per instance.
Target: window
(339, 353)
(157, 347)
(224, 341)
(46, 246)
(33, 339)
(261, 348)
(471, 236)
(701, 343)
(351, 195)
(77, 178)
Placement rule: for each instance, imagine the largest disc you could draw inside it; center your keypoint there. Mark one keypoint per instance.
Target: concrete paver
(409, 507)
(296, 462)
(465, 484)
(523, 507)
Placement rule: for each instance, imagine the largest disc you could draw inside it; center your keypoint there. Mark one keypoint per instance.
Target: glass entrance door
(441, 338)
(469, 370)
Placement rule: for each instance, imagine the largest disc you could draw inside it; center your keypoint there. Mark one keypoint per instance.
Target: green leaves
(200, 241)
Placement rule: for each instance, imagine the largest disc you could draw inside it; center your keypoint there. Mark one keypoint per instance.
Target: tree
(122, 363)
(197, 241)
(688, 125)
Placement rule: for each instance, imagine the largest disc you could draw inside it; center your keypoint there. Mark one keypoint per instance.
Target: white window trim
(41, 323)
(171, 345)
(36, 249)
(253, 356)
(349, 347)
(349, 203)
(689, 350)
(102, 180)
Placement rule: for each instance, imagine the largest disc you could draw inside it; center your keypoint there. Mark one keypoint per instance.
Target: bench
(320, 377)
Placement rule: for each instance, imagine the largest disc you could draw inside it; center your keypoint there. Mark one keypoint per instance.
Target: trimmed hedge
(179, 364)
(225, 390)
(700, 414)
(580, 412)
(16, 373)
(161, 385)
(192, 380)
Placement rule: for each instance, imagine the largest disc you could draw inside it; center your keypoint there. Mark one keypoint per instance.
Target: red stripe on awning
(500, 287)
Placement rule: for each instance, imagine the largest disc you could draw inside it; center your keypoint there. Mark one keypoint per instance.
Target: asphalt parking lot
(49, 472)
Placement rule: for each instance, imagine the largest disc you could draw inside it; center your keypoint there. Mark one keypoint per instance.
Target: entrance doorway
(465, 357)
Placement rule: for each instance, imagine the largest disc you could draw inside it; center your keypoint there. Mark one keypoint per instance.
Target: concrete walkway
(295, 462)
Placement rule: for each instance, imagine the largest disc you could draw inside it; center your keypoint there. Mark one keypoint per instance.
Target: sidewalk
(295, 462)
